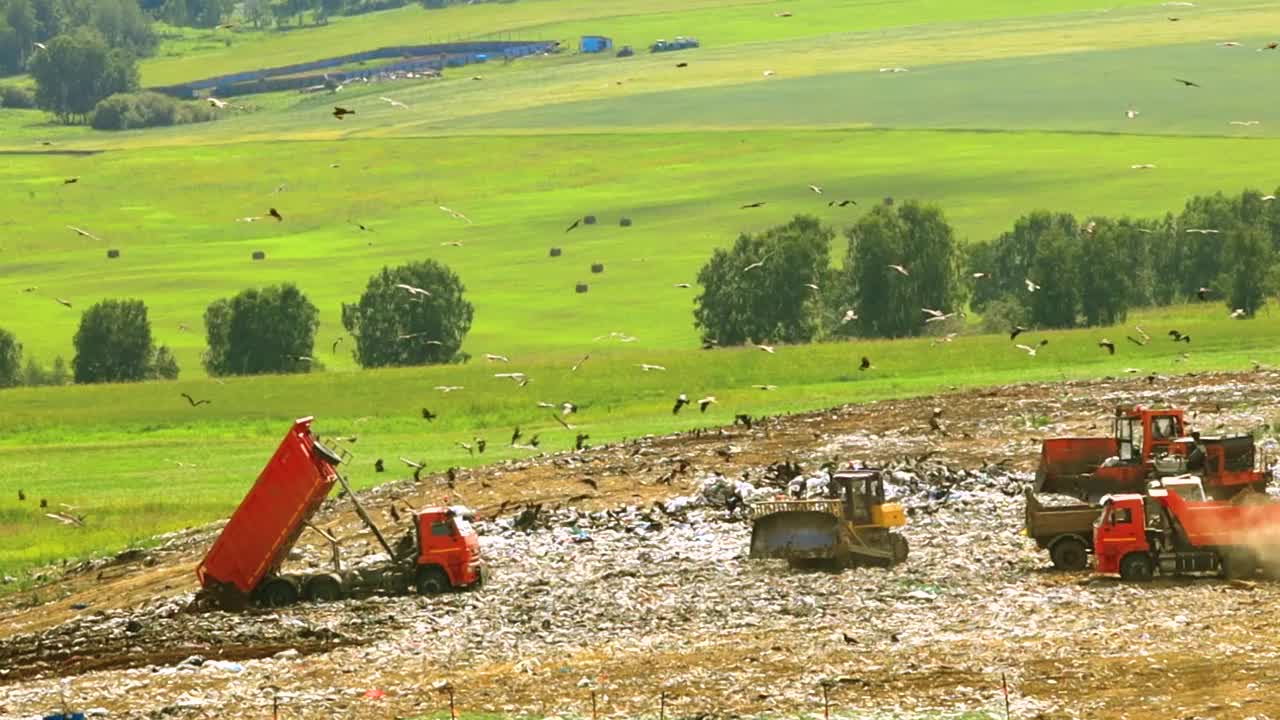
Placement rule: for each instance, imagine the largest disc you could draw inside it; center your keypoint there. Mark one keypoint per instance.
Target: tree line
(414, 314)
(904, 272)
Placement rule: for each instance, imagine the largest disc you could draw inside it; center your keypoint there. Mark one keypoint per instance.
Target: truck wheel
(277, 592)
(1238, 564)
(432, 581)
(1136, 568)
(1070, 554)
(898, 546)
(323, 589)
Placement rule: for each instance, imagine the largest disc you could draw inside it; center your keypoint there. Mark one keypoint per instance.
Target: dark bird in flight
(333, 349)
(338, 112)
(1270, 46)
(848, 639)
(21, 495)
(1203, 293)
(564, 424)
(515, 435)
(753, 205)
(1179, 337)
(866, 363)
(580, 443)
(428, 415)
(706, 402)
(276, 214)
(576, 223)
(71, 181)
(682, 64)
(480, 445)
(377, 465)
(934, 423)
(64, 303)
(681, 401)
(842, 203)
(194, 402)
(742, 419)
(1134, 340)
(1110, 346)
(44, 503)
(1016, 331)
(1187, 83)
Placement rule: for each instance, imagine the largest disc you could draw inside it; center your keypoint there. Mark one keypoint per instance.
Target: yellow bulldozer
(851, 530)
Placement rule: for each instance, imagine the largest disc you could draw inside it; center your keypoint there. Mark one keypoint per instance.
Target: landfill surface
(620, 580)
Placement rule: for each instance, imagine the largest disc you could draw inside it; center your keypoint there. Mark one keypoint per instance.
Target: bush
(393, 326)
(164, 366)
(126, 111)
(18, 98)
(271, 330)
(113, 343)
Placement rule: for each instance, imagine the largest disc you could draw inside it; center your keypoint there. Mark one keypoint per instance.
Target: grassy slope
(168, 199)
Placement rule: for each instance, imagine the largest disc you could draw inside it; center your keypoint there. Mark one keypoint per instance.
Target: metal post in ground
(826, 704)
(662, 706)
(593, 704)
(1004, 681)
(453, 709)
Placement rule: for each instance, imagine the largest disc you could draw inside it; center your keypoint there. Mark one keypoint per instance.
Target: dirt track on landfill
(1071, 646)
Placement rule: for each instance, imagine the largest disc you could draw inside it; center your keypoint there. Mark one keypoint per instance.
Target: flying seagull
(457, 215)
(706, 402)
(83, 233)
(849, 316)
(1203, 293)
(448, 388)
(413, 290)
(647, 367)
(194, 402)
(1031, 287)
(748, 206)
(816, 189)
(1143, 166)
(1110, 346)
(580, 362)
(393, 103)
(1187, 83)
(1027, 349)
(496, 358)
(215, 102)
(900, 269)
(65, 303)
(767, 348)
(1016, 331)
(576, 223)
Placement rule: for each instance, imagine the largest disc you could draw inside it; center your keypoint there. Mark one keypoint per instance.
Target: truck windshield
(464, 527)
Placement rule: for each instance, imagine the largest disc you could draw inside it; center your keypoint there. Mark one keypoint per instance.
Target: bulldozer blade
(795, 535)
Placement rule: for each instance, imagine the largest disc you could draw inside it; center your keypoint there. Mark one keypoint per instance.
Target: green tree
(767, 287)
(394, 326)
(1249, 275)
(76, 71)
(164, 366)
(918, 239)
(1055, 269)
(113, 343)
(271, 330)
(10, 360)
(1104, 275)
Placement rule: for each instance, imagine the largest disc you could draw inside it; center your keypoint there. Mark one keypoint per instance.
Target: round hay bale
(589, 220)
(259, 255)
(597, 268)
(625, 222)
(555, 252)
(113, 254)
(581, 288)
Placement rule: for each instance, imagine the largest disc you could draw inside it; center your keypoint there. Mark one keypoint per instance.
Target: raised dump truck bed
(267, 523)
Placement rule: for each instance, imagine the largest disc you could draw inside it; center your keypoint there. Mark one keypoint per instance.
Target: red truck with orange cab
(243, 566)
(1137, 536)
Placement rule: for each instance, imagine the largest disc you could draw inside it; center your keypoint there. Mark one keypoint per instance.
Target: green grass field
(1008, 107)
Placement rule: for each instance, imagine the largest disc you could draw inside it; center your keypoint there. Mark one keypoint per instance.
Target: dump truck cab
(852, 528)
(448, 549)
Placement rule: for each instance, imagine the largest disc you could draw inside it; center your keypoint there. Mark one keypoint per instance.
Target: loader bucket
(796, 535)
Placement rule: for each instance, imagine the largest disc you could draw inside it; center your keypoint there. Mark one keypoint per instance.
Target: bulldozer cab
(1142, 434)
(860, 493)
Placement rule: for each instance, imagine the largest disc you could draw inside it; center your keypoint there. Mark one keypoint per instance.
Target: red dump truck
(1139, 535)
(1146, 444)
(243, 565)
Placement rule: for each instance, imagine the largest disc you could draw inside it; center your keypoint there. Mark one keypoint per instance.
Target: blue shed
(595, 44)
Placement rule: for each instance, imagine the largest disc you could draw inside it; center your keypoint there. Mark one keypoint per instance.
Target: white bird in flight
(456, 214)
(900, 269)
(1031, 287)
(393, 103)
(413, 290)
